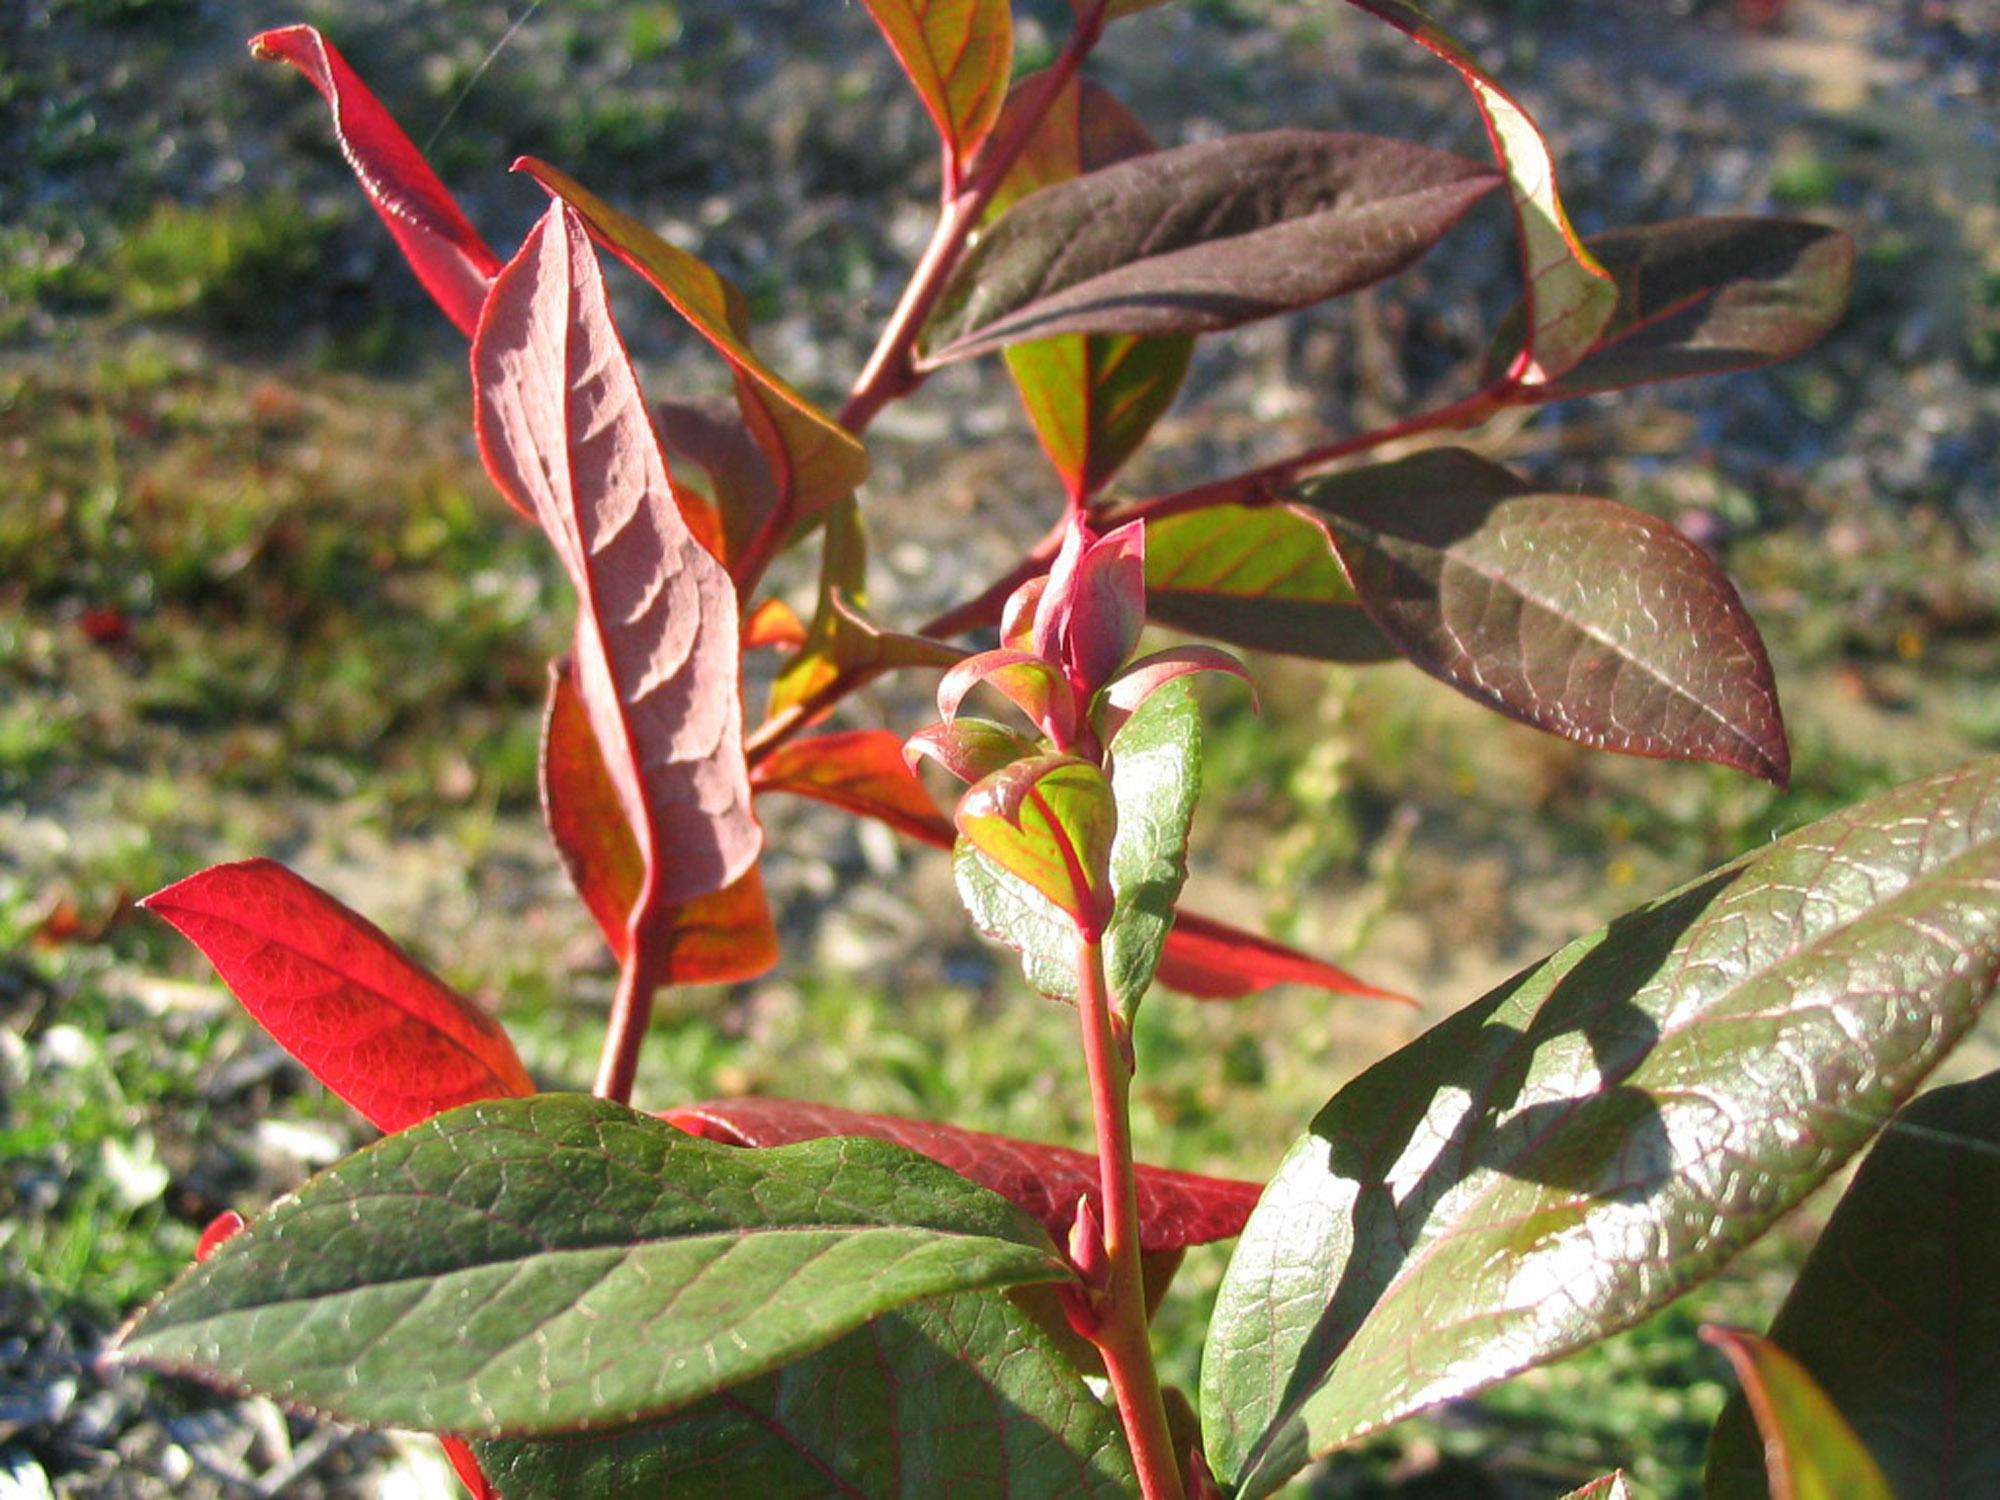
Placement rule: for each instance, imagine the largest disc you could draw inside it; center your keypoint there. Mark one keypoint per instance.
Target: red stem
(1121, 1335)
(631, 1012)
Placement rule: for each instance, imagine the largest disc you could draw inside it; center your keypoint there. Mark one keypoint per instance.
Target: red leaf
(450, 259)
(364, 1018)
(1211, 960)
(1176, 1209)
(773, 624)
(220, 1228)
(715, 939)
(564, 431)
(861, 771)
(466, 1467)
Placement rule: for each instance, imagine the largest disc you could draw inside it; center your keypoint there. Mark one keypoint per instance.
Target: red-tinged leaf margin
(1212, 960)
(1810, 1452)
(1176, 1209)
(656, 656)
(1569, 296)
(861, 771)
(721, 938)
(455, 265)
(958, 55)
(332, 989)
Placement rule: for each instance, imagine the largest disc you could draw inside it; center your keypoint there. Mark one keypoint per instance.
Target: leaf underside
(558, 1264)
(1571, 1152)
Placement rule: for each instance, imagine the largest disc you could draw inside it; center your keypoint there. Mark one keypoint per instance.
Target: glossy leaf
(721, 938)
(1200, 238)
(1262, 577)
(564, 431)
(1091, 398)
(1896, 1314)
(957, 54)
(1572, 1152)
(860, 770)
(1155, 778)
(1092, 609)
(955, 1396)
(1582, 617)
(1211, 960)
(1124, 694)
(814, 460)
(1029, 681)
(1569, 297)
(332, 989)
(970, 749)
(1809, 1450)
(494, 1270)
(1048, 822)
(1704, 297)
(1176, 1209)
(455, 265)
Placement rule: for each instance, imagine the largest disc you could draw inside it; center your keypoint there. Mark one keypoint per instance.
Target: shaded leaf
(1896, 1314)
(563, 430)
(1582, 617)
(1176, 1209)
(1572, 1152)
(1569, 297)
(721, 938)
(1048, 822)
(1211, 960)
(1610, 1487)
(957, 54)
(861, 771)
(1810, 1451)
(815, 461)
(332, 989)
(1091, 398)
(1155, 777)
(721, 476)
(959, 1395)
(492, 1271)
(1262, 577)
(1201, 238)
(1704, 297)
(455, 265)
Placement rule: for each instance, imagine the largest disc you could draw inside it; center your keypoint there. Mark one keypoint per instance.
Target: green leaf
(1201, 238)
(1263, 577)
(960, 1395)
(1582, 617)
(1092, 398)
(1155, 778)
(1048, 822)
(1897, 1312)
(1569, 297)
(1572, 1152)
(1703, 297)
(1809, 1450)
(559, 1264)
(957, 55)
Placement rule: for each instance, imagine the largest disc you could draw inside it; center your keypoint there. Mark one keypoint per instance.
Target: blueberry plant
(773, 1298)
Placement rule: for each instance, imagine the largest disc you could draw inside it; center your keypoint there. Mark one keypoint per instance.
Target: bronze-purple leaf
(1202, 238)
(1704, 297)
(564, 432)
(1583, 617)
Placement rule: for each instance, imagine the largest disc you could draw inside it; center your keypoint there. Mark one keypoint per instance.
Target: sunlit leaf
(1091, 398)
(957, 55)
(1896, 1314)
(955, 1396)
(332, 989)
(720, 938)
(1704, 297)
(970, 749)
(859, 770)
(1583, 617)
(455, 265)
(1572, 1152)
(1809, 1450)
(1262, 577)
(1155, 778)
(1610, 1487)
(1048, 822)
(1211, 960)
(814, 460)
(1176, 1209)
(1569, 297)
(562, 1264)
(564, 431)
(1200, 238)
